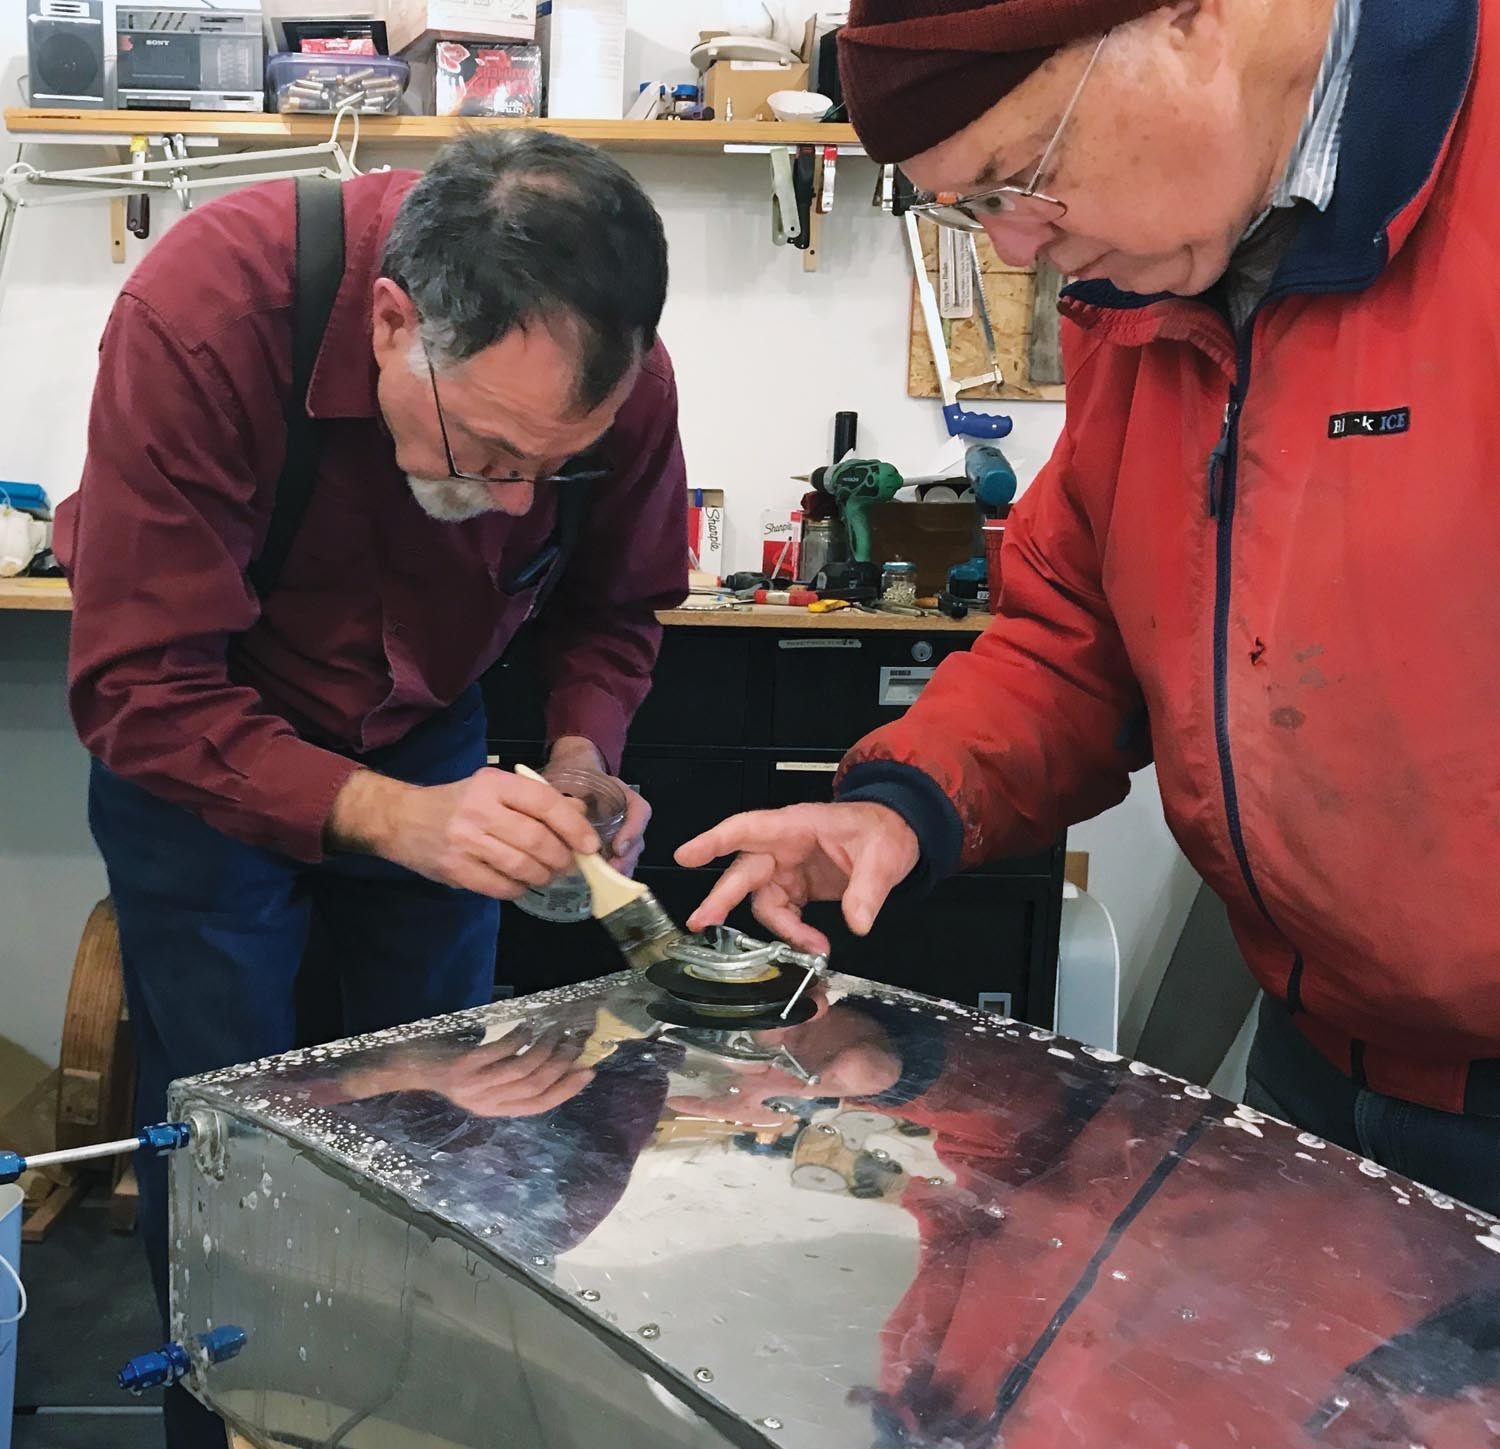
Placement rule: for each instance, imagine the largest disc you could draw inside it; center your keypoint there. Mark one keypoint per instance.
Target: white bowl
(798, 105)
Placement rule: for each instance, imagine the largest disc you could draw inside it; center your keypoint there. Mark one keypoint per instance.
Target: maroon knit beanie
(918, 71)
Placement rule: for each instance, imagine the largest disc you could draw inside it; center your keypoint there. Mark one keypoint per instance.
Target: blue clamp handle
(965, 424)
(166, 1136)
(155, 1370)
(12, 1165)
(172, 1361)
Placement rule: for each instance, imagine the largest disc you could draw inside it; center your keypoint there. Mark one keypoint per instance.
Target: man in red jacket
(1264, 552)
(485, 418)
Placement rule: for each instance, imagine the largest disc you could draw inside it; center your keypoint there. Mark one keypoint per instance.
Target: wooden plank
(50, 595)
(117, 230)
(1011, 295)
(238, 1441)
(38, 1224)
(681, 136)
(1045, 364)
(1076, 868)
(124, 1202)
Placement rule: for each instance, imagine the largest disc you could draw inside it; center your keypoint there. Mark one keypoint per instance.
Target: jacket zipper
(1223, 468)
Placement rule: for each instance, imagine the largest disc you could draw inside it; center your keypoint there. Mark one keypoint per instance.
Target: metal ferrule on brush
(643, 931)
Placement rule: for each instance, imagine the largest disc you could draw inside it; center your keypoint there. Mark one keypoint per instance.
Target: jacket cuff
(919, 800)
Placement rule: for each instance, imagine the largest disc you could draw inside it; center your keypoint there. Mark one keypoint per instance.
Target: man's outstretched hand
(856, 853)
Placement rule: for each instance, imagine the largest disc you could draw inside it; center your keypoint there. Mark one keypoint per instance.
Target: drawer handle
(806, 767)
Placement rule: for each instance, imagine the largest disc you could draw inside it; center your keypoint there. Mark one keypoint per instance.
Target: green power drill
(857, 485)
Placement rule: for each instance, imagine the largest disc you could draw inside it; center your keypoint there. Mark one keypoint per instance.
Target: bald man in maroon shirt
(494, 424)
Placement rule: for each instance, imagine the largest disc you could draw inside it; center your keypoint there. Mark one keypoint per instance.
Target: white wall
(765, 355)
(50, 876)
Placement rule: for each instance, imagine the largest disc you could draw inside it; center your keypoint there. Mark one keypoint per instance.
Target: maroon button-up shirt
(181, 681)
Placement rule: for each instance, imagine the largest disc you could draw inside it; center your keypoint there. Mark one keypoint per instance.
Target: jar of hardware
(898, 584)
(604, 801)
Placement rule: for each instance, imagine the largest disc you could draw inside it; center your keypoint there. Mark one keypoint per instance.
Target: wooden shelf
(39, 594)
(115, 127)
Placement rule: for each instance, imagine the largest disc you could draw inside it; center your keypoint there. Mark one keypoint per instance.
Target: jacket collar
(1410, 73)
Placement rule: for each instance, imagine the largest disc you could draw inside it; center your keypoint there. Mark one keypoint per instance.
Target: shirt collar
(1313, 166)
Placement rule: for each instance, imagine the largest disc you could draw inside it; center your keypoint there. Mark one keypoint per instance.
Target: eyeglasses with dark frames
(583, 469)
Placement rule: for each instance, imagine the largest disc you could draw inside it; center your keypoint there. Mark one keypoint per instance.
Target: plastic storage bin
(10, 1250)
(324, 83)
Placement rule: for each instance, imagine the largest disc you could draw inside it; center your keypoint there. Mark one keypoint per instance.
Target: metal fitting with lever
(162, 1138)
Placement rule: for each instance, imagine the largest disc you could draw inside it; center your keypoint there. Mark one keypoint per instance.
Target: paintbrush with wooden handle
(626, 909)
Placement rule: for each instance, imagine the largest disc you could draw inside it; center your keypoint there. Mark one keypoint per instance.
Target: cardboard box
(483, 78)
(420, 22)
(737, 90)
(583, 54)
(706, 529)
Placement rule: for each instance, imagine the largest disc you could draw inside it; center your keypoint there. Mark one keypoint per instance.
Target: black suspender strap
(572, 508)
(320, 270)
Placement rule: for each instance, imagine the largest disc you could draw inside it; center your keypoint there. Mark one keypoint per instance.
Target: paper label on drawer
(900, 687)
(818, 643)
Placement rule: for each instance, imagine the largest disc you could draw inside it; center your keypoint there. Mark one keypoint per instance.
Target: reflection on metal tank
(565, 1222)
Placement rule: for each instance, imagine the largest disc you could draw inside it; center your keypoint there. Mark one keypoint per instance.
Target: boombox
(190, 57)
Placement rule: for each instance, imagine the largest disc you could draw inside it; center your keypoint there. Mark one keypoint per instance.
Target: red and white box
(780, 542)
(477, 78)
(706, 529)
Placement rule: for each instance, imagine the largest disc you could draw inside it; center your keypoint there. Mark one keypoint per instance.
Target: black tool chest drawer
(755, 718)
(829, 691)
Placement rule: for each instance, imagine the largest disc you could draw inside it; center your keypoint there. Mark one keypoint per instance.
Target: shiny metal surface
(558, 1222)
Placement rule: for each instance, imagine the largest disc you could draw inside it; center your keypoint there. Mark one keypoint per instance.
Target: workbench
(754, 710)
(845, 621)
(47, 595)
(54, 596)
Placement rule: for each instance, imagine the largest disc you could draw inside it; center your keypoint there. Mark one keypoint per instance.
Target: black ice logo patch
(1383, 424)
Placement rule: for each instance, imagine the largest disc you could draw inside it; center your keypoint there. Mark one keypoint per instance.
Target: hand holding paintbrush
(625, 908)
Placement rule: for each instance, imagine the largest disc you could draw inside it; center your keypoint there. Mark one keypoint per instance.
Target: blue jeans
(219, 969)
(1456, 1153)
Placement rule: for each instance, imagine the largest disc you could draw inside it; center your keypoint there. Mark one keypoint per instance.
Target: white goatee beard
(450, 500)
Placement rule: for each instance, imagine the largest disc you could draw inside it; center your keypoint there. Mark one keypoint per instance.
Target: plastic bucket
(10, 1249)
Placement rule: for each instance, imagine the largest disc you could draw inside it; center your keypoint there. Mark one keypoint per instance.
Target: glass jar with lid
(898, 584)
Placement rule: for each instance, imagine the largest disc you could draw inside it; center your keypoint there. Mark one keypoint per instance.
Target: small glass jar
(604, 801)
(898, 584)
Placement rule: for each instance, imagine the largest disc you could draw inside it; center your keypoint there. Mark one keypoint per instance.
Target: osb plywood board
(1011, 294)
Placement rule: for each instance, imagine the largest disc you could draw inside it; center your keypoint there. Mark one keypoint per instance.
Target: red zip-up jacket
(1272, 561)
